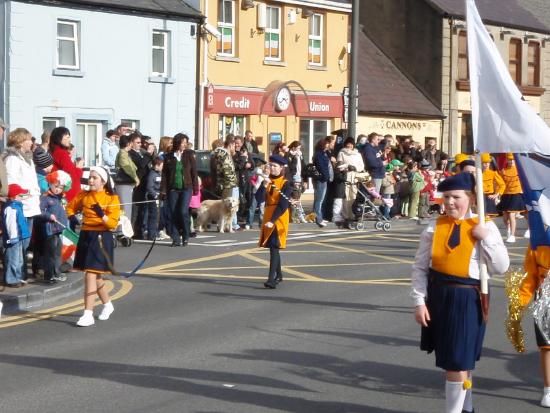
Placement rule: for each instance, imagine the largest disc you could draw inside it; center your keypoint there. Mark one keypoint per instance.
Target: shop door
(88, 142)
(311, 131)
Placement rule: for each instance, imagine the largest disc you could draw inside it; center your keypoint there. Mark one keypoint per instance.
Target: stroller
(367, 208)
(123, 232)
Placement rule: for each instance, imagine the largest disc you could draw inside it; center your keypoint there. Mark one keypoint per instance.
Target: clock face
(282, 100)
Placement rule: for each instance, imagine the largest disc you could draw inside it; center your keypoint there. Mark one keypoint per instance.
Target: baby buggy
(366, 207)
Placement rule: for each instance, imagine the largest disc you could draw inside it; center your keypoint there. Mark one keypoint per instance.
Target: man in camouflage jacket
(226, 177)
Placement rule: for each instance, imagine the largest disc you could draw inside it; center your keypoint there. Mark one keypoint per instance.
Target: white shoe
(324, 221)
(545, 402)
(527, 234)
(86, 320)
(247, 227)
(1, 305)
(162, 235)
(322, 224)
(106, 312)
(511, 239)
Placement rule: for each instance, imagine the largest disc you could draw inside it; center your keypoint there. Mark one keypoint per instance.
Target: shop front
(280, 114)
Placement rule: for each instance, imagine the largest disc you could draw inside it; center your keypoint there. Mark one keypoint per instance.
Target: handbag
(122, 178)
(312, 171)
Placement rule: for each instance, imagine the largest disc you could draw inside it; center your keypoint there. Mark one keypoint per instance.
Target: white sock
(454, 396)
(546, 390)
(108, 304)
(88, 313)
(468, 402)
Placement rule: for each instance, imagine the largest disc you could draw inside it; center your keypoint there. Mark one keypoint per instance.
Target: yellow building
(278, 68)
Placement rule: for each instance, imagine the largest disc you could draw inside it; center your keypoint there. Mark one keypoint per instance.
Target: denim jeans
(235, 195)
(26, 243)
(152, 213)
(13, 263)
(319, 192)
(252, 212)
(178, 203)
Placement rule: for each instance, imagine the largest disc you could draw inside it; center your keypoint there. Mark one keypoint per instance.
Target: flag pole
(483, 274)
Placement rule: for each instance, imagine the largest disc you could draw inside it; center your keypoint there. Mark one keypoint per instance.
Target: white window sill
(68, 73)
(274, 63)
(228, 59)
(315, 67)
(161, 79)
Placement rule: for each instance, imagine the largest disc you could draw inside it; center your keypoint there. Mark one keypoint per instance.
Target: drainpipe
(6, 63)
(451, 118)
(203, 140)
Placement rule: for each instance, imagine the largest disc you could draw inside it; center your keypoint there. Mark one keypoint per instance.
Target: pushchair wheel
(359, 226)
(115, 242)
(379, 225)
(126, 241)
(352, 225)
(386, 227)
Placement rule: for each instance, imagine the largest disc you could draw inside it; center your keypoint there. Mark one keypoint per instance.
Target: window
(88, 141)
(311, 130)
(463, 71)
(131, 123)
(272, 47)
(231, 124)
(226, 26)
(315, 48)
(533, 64)
(514, 65)
(49, 124)
(68, 50)
(466, 134)
(160, 53)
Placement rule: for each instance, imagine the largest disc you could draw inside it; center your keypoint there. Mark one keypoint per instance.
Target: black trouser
(275, 272)
(51, 260)
(138, 212)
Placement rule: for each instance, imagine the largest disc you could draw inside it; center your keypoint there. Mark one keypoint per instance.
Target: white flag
(501, 120)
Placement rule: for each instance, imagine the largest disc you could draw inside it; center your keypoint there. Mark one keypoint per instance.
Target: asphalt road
(196, 331)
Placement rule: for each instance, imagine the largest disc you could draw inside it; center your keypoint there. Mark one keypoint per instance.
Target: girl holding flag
(446, 287)
(94, 253)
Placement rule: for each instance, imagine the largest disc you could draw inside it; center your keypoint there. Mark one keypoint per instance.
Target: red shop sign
(234, 102)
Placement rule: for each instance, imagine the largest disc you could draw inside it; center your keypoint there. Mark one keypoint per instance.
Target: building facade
(433, 55)
(89, 66)
(278, 68)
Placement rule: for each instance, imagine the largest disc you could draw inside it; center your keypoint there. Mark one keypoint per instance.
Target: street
(195, 331)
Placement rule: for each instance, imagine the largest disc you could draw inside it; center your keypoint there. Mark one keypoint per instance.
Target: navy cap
(463, 180)
(467, 162)
(278, 159)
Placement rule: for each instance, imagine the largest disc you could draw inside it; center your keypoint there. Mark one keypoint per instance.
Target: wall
(417, 128)
(409, 32)
(115, 61)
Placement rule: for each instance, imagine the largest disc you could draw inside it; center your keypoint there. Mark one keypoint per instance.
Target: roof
(170, 8)
(532, 15)
(385, 90)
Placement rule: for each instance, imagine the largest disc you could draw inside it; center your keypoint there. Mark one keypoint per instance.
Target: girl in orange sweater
(94, 252)
(511, 201)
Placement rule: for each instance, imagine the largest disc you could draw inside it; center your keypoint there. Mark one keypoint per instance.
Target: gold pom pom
(514, 331)
(467, 385)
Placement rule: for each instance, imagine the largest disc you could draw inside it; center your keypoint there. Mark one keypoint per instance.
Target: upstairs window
(68, 50)
(226, 26)
(272, 47)
(315, 49)
(533, 64)
(514, 62)
(463, 70)
(160, 53)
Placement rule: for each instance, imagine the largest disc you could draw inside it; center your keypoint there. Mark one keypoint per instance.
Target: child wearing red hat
(14, 231)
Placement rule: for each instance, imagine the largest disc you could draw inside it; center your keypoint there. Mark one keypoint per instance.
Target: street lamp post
(353, 92)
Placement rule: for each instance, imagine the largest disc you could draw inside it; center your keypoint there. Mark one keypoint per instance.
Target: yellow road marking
(64, 309)
(284, 268)
(256, 267)
(397, 238)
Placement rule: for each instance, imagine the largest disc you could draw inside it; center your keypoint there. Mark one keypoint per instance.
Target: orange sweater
(91, 221)
(511, 179)
(492, 182)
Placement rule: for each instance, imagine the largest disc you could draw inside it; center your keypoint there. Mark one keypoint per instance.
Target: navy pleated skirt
(491, 207)
(511, 203)
(89, 256)
(456, 329)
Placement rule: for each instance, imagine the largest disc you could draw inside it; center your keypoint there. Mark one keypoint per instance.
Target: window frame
(222, 132)
(58, 122)
(165, 48)
(76, 41)
(463, 56)
(224, 25)
(320, 37)
(516, 60)
(536, 64)
(270, 31)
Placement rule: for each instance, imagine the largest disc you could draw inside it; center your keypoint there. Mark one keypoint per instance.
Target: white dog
(220, 211)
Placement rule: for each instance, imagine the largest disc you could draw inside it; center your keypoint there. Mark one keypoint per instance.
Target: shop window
(514, 62)
(463, 71)
(68, 45)
(315, 50)
(231, 124)
(272, 47)
(160, 53)
(466, 134)
(226, 27)
(88, 141)
(311, 131)
(533, 64)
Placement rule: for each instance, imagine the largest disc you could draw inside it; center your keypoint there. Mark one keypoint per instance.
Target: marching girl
(276, 218)
(446, 287)
(511, 201)
(493, 186)
(94, 252)
(537, 267)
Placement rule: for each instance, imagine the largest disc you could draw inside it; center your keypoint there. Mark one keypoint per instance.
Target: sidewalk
(37, 294)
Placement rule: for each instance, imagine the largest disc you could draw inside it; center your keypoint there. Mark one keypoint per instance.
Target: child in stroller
(367, 207)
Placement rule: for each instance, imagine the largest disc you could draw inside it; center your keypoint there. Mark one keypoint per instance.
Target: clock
(282, 99)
